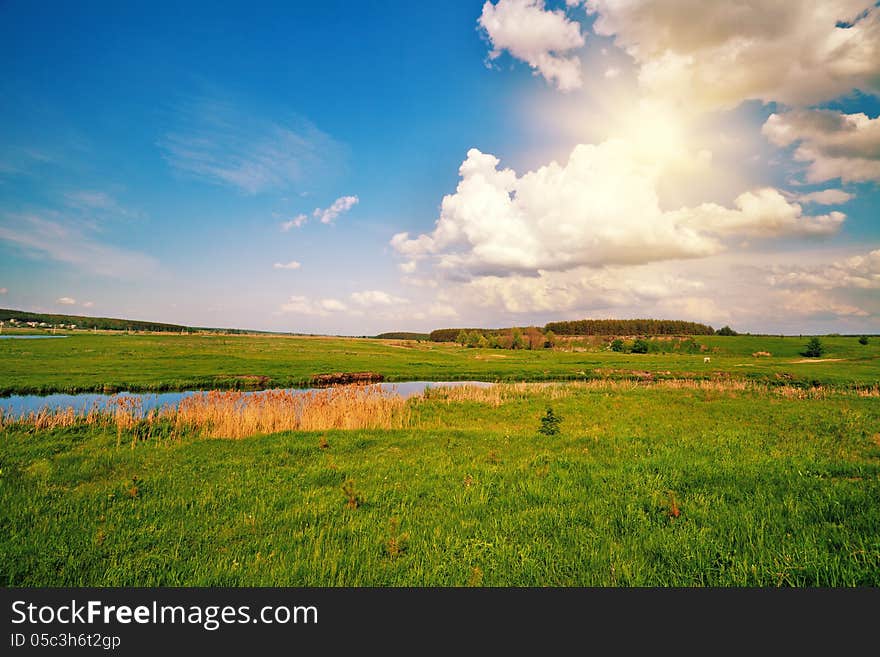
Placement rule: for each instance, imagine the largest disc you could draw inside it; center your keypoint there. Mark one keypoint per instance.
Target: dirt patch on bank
(817, 360)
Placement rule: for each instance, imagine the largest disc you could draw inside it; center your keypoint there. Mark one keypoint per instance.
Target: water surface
(22, 404)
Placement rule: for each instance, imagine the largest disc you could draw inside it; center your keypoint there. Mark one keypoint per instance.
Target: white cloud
(536, 36)
(408, 267)
(332, 305)
(66, 301)
(826, 197)
(3, 290)
(836, 145)
(296, 222)
(600, 208)
(340, 205)
(222, 144)
(578, 290)
(717, 54)
(611, 72)
(293, 264)
(760, 213)
(857, 272)
(813, 303)
(376, 298)
(88, 304)
(301, 305)
(442, 310)
(40, 237)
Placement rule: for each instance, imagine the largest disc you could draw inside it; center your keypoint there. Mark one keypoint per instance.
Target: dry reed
(233, 414)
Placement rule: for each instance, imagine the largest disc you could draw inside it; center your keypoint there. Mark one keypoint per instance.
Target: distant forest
(403, 335)
(22, 318)
(588, 327)
(628, 327)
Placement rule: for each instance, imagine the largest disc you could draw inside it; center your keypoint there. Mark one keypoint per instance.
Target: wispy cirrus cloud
(217, 142)
(55, 239)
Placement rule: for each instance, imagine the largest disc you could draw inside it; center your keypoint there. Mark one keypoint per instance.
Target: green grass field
(649, 483)
(770, 491)
(86, 362)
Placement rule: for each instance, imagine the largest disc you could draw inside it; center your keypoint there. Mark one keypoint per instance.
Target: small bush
(640, 346)
(617, 345)
(726, 330)
(550, 423)
(353, 498)
(863, 339)
(814, 348)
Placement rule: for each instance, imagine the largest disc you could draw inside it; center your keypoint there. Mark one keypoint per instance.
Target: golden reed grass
(504, 392)
(240, 414)
(233, 414)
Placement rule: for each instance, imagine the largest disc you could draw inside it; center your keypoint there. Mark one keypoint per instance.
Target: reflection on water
(19, 404)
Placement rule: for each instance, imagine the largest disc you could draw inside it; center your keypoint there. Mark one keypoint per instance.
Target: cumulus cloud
(834, 144)
(340, 205)
(826, 197)
(301, 305)
(717, 54)
(858, 272)
(293, 264)
(578, 290)
(324, 215)
(531, 33)
(376, 298)
(88, 304)
(3, 290)
(296, 222)
(760, 213)
(813, 303)
(66, 301)
(600, 208)
(442, 310)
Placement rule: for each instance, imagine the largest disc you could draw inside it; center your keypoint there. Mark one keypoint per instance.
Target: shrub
(640, 346)
(617, 345)
(550, 423)
(726, 330)
(814, 348)
(863, 339)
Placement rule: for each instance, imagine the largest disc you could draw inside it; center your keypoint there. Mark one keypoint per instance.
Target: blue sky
(513, 162)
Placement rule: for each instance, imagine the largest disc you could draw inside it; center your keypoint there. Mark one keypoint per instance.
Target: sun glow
(655, 132)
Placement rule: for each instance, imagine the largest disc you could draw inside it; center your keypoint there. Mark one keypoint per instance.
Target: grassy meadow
(137, 362)
(666, 471)
(686, 484)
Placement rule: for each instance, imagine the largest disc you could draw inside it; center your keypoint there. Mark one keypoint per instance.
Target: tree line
(629, 327)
